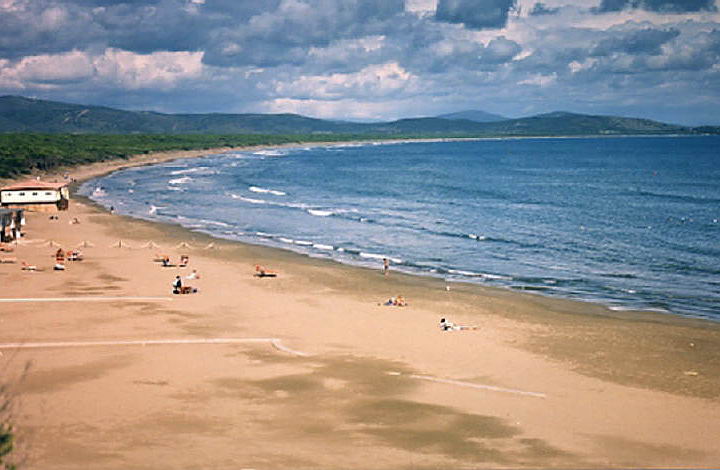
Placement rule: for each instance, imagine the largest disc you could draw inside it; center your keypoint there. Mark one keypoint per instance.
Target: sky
(369, 59)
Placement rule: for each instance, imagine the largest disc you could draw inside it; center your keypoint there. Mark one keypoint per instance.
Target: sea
(629, 222)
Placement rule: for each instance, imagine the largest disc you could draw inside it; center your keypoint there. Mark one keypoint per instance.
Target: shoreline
(543, 382)
(613, 307)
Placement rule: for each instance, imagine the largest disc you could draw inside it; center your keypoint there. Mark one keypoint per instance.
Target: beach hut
(11, 222)
(35, 195)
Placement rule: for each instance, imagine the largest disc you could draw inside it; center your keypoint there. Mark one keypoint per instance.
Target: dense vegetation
(24, 153)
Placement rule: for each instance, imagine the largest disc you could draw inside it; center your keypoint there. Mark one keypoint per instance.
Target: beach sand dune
(350, 383)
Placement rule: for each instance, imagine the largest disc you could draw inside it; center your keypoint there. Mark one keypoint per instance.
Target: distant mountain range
(19, 114)
(474, 115)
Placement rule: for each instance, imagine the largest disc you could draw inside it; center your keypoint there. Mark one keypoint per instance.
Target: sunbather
(446, 325)
(29, 267)
(398, 301)
(260, 271)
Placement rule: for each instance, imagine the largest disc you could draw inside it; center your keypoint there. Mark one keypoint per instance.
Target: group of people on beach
(177, 285)
(61, 256)
(399, 301)
(179, 288)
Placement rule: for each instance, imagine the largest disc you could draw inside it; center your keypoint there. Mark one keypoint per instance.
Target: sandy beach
(309, 370)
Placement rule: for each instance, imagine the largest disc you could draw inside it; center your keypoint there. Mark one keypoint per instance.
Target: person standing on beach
(386, 266)
(177, 285)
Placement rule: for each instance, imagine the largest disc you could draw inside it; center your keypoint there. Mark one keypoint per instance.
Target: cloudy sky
(369, 59)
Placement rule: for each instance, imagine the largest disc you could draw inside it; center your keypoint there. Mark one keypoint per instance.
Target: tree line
(24, 153)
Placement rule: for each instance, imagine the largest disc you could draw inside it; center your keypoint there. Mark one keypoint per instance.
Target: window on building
(48, 193)
(22, 194)
(34, 194)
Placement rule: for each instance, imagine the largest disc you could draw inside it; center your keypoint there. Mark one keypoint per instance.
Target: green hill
(18, 114)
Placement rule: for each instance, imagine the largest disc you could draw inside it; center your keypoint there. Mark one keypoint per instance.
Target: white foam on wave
(188, 170)
(320, 213)
(215, 222)
(248, 199)
(175, 188)
(465, 273)
(274, 192)
(320, 246)
(474, 236)
(270, 153)
(286, 240)
(379, 256)
(183, 180)
(302, 242)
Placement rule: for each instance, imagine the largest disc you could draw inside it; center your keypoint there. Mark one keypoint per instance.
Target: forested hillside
(23, 153)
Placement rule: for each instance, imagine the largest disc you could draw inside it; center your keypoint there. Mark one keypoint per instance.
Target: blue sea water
(629, 222)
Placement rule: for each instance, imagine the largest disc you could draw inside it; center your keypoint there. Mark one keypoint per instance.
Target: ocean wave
(274, 192)
(189, 170)
(183, 180)
(320, 246)
(214, 222)
(320, 213)
(378, 256)
(248, 199)
(271, 153)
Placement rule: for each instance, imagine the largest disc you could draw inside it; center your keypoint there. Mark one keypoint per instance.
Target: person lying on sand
(184, 260)
(29, 267)
(260, 271)
(74, 255)
(59, 267)
(398, 301)
(446, 325)
(193, 275)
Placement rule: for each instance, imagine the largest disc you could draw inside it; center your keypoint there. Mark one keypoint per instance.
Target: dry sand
(348, 383)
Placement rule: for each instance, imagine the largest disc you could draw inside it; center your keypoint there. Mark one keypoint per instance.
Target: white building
(36, 196)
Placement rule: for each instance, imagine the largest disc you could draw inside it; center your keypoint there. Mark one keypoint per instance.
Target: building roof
(34, 184)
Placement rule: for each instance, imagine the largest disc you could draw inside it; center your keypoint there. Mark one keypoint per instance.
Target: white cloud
(372, 82)
(111, 68)
(133, 71)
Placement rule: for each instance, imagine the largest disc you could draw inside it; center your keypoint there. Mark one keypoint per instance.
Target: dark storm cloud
(286, 34)
(231, 32)
(44, 27)
(475, 14)
(660, 6)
